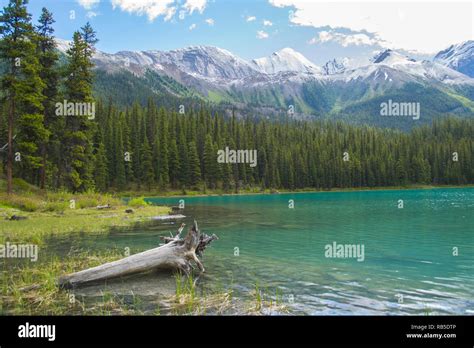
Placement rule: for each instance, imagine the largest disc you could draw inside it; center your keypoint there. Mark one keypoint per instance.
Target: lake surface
(409, 264)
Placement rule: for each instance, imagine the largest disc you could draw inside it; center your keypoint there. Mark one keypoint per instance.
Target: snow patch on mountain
(287, 59)
(459, 57)
(392, 66)
(391, 58)
(207, 61)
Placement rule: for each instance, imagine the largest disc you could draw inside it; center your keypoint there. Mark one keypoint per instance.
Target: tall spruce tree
(163, 154)
(210, 163)
(194, 174)
(48, 59)
(147, 164)
(22, 86)
(78, 163)
(174, 163)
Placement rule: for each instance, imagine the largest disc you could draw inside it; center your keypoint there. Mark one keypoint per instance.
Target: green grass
(31, 288)
(264, 303)
(187, 300)
(463, 100)
(40, 225)
(48, 299)
(51, 214)
(216, 97)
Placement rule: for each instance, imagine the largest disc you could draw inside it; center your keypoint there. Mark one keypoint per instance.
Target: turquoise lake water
(408, 265)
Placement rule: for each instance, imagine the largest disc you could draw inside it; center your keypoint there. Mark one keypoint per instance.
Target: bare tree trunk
(10, 147)
(177, 253)
(43, 166)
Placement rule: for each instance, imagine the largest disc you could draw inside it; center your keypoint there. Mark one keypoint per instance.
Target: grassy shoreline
(46, 216)
(30, 288)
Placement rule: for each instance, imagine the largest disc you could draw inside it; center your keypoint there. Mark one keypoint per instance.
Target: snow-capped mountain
(459, 57)
(390, 57)
(285, 60)
(207, 62)
(286, 77)
(218, 66)
(394, 67)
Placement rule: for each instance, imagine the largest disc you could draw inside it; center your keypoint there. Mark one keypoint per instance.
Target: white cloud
(88, 4)
(262, 35)
(195, 5)
(251, 18)
(156, 8)
(192, 26)
(151, 8)
(346, 40)
(422, 25)
(267, 23)
(210, 21)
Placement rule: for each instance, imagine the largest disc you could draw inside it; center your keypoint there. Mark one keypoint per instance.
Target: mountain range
(286, 79)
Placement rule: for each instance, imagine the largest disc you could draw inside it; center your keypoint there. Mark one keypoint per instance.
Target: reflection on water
(409, 267)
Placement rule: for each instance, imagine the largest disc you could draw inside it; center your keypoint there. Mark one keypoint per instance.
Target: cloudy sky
(321, 30)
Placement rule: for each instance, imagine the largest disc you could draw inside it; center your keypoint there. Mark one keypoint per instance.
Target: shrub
(25, 203)
(137, 202)
(56, 206)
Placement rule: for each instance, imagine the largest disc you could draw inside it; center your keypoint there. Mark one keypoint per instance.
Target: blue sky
(256, 28)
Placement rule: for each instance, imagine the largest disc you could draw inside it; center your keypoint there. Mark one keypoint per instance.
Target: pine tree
(136, 141)
(147, 164)
(209, 163)
(174, 163)
(127, 148)
(163, 154)
(48, 58)
(100, 168)
(194, 175)
(183, 156)
(22, 88)
(79, 129)
(119, 160)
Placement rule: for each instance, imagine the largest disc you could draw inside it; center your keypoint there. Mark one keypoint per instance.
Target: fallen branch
(176, 253)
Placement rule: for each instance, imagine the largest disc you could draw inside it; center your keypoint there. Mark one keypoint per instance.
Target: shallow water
(408, 265)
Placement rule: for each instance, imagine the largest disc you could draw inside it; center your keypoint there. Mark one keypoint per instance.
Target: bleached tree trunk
(176, 253)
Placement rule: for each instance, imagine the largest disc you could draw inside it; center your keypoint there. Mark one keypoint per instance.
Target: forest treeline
(171, 150)
(153, 147)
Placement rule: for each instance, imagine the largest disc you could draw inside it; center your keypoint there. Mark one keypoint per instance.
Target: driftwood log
(177, 253)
